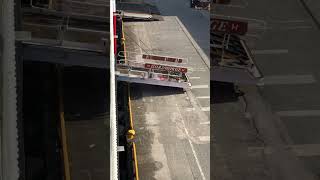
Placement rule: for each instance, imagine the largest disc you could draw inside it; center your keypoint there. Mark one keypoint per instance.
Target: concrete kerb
(313, 9)
(203, 56)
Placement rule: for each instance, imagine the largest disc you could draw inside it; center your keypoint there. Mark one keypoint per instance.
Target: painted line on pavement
(204, 138)
(191, 146)
(287, 21)
(205, 123)
(203, 97)
(205, 109)
(253, 35)
(306, 149)
(194, 77)
(190, 109)
(283, 28)
(270, 51)
(200, 86)
(298, 113)
(302, 150)
(288, 79)
(299, 27)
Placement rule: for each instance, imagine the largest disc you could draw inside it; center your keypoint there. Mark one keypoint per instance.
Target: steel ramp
(134, 79)
(144, 76)
(152, 69)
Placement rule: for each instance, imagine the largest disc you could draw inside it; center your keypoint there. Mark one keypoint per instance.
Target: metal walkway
(147, 68)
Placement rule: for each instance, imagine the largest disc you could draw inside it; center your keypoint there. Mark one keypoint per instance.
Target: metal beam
(61, 14)
(65, 56)
(9, 152)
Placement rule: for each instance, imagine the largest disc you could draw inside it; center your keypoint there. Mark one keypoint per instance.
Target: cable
(138, 43)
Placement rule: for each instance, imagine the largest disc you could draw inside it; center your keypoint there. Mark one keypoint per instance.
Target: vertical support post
(9, 169)
(113, 110)
(66, 164)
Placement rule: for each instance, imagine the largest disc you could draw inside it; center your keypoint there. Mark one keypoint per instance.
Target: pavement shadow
(86, 93)
(153, 90)
(38, 129)
(222, 92)
(141, 7)
(86, 106)
(144, 139)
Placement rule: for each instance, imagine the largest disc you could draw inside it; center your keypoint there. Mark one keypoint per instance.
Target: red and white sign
(166, 68)
(162, 58)
(230, 27)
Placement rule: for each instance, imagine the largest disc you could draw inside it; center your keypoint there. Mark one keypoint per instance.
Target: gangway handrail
(151, 74)
(134, 61)
(142, 65)
(150, 71)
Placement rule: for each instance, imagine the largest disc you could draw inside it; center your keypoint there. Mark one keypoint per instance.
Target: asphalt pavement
(283, 39)
(172, 140)
(173, 128)
(195, 21)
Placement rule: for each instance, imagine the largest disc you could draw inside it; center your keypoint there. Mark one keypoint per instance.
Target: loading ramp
(147, 68)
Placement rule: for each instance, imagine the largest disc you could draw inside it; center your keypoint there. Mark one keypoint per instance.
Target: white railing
(113, 118)
(151, 73)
